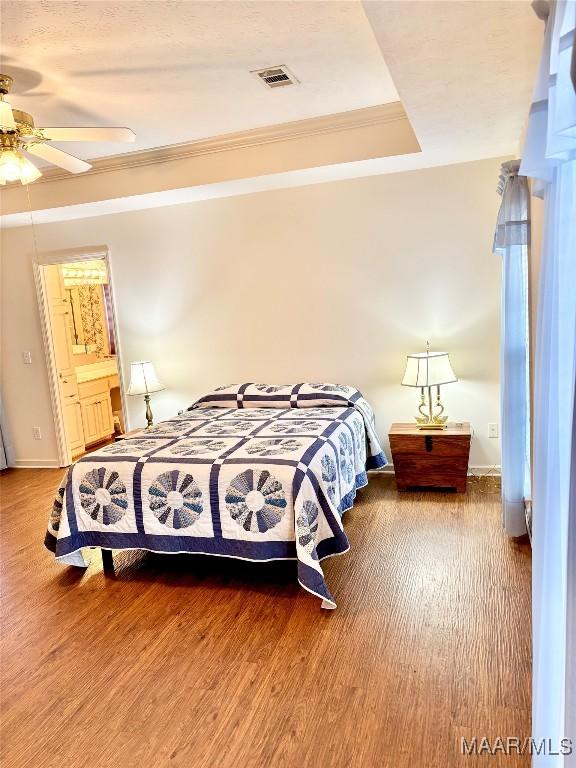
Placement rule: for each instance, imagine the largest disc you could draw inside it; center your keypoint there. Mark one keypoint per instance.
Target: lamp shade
(428, 369)
(7, 122)
(143, 379)
(15, 167)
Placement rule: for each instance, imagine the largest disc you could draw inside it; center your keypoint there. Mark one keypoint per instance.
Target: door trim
(40, 261)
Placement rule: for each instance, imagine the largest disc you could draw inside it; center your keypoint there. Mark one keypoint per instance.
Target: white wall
(332, 282)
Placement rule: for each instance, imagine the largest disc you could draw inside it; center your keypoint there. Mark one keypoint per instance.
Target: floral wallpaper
(89, 321)
(92, 319)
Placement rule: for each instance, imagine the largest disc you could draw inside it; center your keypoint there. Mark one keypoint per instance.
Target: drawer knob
(428, 443)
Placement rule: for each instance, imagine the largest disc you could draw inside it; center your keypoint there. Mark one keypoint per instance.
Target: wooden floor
(212, 663)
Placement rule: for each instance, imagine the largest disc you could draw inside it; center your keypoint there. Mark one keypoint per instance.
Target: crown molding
(380, 114)
(201, 169)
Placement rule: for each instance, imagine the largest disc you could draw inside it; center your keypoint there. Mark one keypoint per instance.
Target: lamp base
(148, 411)
(428, 418)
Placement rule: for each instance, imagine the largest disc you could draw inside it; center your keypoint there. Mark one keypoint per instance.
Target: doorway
(81, 343)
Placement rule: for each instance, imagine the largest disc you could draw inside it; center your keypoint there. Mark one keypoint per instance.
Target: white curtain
(550, 159)
(511, 242)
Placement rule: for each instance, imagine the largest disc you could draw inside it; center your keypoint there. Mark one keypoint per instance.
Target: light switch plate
(27, 357)
(493, 430)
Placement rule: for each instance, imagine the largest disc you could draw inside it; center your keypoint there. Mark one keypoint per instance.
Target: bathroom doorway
(81, 342)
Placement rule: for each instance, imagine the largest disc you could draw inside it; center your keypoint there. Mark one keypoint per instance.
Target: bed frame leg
(108, 562)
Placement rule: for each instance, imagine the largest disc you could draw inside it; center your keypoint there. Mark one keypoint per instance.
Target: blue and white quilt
(254, 471)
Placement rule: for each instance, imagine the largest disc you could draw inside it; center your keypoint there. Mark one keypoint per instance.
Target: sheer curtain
(511, 242)
(549, 157)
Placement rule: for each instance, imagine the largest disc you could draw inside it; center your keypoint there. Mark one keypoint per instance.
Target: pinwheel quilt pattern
(255, 483)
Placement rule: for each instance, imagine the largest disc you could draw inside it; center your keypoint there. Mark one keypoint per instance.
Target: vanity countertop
(99, 370)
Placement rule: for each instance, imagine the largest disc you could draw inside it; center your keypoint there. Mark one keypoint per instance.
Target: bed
(258, 472)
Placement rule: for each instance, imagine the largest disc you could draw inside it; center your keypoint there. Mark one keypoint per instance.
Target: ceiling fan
(18, 132)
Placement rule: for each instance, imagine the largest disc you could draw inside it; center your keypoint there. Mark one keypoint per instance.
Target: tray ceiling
(179, 72)
(176, 72)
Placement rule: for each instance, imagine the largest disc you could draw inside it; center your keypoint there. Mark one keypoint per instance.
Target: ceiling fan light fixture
(17, 131)
(7, 122)
(9, 165)
(28, 171)
(15, 167)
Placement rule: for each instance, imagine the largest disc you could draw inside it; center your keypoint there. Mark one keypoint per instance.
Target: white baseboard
(483, 469)
(477, 470)
(35, 464)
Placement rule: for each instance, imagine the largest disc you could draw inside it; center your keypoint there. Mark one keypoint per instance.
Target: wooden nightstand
(430, 458)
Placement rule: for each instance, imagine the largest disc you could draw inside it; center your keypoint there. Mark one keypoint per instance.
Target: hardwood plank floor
(213, 663)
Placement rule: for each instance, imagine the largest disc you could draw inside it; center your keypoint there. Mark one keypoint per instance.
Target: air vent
(275, 77)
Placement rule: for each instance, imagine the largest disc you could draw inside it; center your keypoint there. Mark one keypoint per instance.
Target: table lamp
(427, 370)
(144, 381)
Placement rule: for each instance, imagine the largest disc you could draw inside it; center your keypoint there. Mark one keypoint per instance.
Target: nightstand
(430, 458)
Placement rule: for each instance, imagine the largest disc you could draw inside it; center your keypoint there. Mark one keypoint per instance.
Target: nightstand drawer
(438, 444)
(422, 470)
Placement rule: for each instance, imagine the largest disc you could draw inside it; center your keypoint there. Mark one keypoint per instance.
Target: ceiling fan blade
(190, 65)
(88, 134)
(33, 94)
(57, 157)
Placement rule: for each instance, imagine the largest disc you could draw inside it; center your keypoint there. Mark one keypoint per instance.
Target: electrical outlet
(493, 430)
(37, 433)
(27, 357)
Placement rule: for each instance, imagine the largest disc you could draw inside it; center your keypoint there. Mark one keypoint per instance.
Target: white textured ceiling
(464, 71)
(180, 71)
